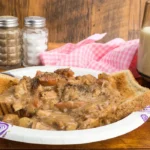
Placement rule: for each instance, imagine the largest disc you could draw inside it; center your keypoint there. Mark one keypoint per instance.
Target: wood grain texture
(134, 19)
(113, 18)
(142, 7)
(74, 20)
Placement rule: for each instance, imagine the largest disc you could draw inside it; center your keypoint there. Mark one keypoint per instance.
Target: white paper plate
(118, 128)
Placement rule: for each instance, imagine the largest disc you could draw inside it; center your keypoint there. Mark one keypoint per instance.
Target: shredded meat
(61, 101)
(57, 120)
(65, 72)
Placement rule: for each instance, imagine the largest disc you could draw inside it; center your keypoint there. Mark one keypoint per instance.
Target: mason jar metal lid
(35, 21)
(8, 21)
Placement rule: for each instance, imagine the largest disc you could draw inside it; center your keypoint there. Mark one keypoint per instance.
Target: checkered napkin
(109, 57)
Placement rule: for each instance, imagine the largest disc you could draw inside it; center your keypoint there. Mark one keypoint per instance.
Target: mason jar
(35, 40)
(10, 43)
(143, 61)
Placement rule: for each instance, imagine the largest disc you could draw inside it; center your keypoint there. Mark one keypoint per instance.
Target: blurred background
(74, 20)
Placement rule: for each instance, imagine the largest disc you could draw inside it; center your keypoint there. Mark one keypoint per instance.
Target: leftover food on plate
(60, 100)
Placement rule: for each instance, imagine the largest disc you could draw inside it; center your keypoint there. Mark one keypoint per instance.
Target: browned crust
(133, 104)
(135, 96)
(130, 80)
(4, 108)
(127, 85)
(7, 81)
(9, 108)
(1, 113)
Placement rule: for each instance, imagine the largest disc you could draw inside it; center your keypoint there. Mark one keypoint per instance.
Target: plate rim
(14, 135)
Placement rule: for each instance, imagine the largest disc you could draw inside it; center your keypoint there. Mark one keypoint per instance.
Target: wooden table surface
(137, 139)
(74, 20)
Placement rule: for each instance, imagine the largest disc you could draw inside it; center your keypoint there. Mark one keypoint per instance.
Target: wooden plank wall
(74, 20)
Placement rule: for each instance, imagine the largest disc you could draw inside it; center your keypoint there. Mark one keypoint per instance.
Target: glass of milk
(143, 63)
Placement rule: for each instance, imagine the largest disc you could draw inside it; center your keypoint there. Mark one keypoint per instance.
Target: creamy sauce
(79, 104)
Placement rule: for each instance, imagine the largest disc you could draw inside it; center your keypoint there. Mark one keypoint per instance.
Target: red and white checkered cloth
(112, 56)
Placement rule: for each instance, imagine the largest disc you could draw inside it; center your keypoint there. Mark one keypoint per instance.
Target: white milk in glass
(143, 65)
